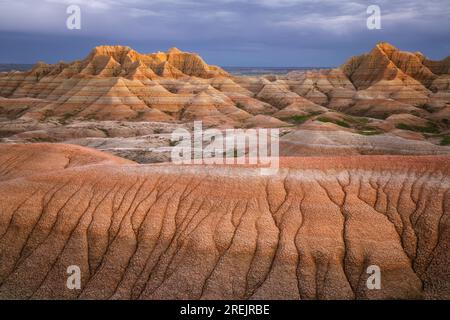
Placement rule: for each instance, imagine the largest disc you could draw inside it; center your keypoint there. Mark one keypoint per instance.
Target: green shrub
(357, 120)
(342, 123)
(445, 140)
(324, 119)
(300, 119)
(338, 122)
(429, 128)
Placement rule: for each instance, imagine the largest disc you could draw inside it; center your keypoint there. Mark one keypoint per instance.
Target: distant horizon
(57, 60)
(234, 70)
(241, 67)
(247, 33)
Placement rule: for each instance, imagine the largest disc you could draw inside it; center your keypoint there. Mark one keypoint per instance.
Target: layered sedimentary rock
(385, 62)
(117, 84)
(211, 232)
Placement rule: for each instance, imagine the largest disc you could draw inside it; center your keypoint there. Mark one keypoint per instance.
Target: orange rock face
(211, 232)
(117, 83)
(364, 180)
(386, 62)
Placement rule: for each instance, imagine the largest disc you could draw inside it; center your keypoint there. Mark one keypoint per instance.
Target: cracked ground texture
(222, 232)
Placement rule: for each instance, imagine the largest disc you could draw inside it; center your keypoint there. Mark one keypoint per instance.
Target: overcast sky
(225, 32)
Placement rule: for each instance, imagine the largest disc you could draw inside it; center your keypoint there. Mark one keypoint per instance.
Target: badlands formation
(126, 103)
(364, 180)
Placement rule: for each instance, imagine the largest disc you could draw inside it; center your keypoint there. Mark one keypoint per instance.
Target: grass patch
(299, 119)
(357, 120)
(415, 113)
(342, 123)
(445, 141)
(338, 122)
(429, 128)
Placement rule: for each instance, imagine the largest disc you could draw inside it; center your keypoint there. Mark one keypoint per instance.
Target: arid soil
(86, 180)
(222, 232)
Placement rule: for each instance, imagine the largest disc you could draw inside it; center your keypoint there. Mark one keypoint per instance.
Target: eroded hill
(212, 232)
(387, 101)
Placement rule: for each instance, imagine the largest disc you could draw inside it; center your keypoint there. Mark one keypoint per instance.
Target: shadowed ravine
(211, 232)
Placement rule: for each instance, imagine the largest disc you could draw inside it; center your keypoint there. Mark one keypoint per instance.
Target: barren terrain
(86, 179)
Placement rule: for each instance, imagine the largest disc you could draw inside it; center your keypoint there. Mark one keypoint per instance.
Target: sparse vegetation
(324, 119)
(341, 123)
(445, 140)
(416, 113)
(429, 128)
(370, 132)
(299, 119)
(357, 120)
(383, 116)
(41, 139)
